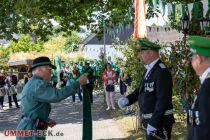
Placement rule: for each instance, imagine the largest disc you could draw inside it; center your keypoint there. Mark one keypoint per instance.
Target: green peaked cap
(199, 45)
(145, 44)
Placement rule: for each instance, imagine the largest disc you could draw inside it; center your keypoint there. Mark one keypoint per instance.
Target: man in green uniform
(198, 115)
(73, 76)
(81, 67)
(37, 95)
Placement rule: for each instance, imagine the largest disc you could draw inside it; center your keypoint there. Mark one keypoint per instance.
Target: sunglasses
(191, 56)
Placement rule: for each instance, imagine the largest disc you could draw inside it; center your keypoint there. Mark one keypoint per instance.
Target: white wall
(93, 51)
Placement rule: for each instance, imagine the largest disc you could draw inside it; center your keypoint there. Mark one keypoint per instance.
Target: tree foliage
(39, 17)
(185, 81)
(45, 18)
(4, 56)
(133, 66)
(55, 44)
(25, 44)
(72, 42)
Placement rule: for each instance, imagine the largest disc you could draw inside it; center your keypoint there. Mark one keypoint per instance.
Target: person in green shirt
(81, 68)
(37, 95)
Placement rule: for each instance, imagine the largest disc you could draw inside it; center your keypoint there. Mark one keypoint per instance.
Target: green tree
(45, 18)
(4, 56)
(55, 44)
(38, 17)
(72, 42)
(62, 43)
(25, 44)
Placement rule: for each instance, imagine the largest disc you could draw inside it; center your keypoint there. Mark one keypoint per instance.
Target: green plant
(72, 42)
(25, 44)
(4, 57)
(133, 66)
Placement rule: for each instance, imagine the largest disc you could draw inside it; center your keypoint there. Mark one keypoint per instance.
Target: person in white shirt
(154, 93)
(109, 80)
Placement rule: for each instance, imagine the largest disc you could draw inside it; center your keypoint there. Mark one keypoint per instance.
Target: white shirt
(109, 74)
(204, 75)
(150, 66)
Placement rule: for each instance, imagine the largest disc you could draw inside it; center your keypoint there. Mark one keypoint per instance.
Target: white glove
(150, 129)
(122, 102)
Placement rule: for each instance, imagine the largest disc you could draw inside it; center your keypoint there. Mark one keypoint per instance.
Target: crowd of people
(69, 74)
(41, 90)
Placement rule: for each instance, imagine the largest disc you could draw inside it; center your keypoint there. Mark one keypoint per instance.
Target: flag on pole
(87, 116)
(140, 30)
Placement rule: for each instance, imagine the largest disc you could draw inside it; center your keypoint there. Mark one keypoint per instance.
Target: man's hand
(122, 102)
(82, 79)
(150, 129)
(58, 85)
(51, 123)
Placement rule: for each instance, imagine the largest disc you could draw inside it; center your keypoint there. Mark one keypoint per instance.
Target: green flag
(208, 12)
(163, 7)
(87, 117)
(154, 2)
(173, 10)
(196, 9)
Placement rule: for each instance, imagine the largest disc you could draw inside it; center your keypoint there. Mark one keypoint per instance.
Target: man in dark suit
(91, 80)
(154, 94)
(2, 84)
(199, 114)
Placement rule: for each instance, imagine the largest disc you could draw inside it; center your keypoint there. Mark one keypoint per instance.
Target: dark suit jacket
(155, 95)
(200, 130)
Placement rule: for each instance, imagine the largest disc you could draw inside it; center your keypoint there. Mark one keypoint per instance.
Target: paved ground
(69, 119)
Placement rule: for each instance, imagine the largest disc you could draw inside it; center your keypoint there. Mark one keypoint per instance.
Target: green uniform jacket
(35, 103)
(81, 69)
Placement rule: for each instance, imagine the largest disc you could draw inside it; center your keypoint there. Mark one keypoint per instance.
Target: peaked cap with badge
(199, 45)
(145, 44)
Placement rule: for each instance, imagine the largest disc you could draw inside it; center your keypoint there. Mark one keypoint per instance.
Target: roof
(161, 34)
(22, 58)
(20, 62)
(123, 35)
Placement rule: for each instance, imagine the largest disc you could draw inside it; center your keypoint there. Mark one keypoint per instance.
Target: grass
(128, 125)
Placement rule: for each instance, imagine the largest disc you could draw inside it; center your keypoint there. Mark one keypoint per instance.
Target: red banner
(140, 30)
